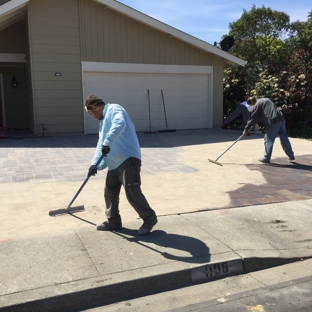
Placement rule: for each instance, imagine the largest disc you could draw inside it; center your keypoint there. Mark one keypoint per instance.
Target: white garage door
(187, 97)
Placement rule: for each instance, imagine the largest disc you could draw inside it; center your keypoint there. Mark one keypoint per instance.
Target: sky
(209, 20)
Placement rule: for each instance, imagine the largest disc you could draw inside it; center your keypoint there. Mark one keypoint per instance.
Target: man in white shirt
(243, 110)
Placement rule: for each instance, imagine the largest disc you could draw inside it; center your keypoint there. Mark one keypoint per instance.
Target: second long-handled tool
(69, 209)
(149, 129)
(216, 161)
(166, 130)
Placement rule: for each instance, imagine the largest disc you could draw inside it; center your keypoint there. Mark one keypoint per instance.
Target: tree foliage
(301, 35)
(279, 55)
(259, 35)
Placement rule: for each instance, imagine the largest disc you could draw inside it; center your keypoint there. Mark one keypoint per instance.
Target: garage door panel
(186, 98)
(187, 123)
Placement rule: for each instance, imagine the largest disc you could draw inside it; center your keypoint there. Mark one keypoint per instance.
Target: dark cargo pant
(128, 175)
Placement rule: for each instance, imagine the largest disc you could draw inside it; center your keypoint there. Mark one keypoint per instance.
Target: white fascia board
(126, 10)
(12, 58)
(145, 68)
(11, 6)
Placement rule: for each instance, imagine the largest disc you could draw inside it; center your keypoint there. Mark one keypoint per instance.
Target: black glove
(92, 172)
(105, 150)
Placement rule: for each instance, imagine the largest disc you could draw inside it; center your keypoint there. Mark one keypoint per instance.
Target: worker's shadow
(293, 165)
(170, 245)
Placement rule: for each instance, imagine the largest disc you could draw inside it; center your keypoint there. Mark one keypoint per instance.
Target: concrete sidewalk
(85, 268)
(64, 264)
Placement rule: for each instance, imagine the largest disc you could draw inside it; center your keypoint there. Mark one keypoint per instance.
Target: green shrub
(303, 133)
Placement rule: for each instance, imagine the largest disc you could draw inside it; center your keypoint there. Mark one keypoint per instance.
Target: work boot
(147, 226)
(263, 160)
(111, 224)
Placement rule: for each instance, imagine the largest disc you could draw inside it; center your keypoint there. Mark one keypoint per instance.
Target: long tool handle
(230, 147)
(85, 181)
(162, 94)
(149, 108)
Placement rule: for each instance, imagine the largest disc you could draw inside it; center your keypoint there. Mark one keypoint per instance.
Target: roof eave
(12, 6)
(12, 12)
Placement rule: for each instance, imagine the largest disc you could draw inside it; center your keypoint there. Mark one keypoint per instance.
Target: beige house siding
(108, 36)
(55, 48)
(217, 92)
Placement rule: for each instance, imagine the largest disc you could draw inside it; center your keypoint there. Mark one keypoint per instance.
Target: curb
(229, 304)
(62, 298)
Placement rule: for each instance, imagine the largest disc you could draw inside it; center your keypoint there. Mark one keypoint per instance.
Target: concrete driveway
(43, 174)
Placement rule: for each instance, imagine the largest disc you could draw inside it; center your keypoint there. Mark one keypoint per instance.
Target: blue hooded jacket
(117, 131)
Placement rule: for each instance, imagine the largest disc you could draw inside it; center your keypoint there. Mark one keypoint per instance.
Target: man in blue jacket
(119, 144)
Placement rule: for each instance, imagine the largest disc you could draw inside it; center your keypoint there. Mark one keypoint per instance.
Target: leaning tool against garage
(119, 144)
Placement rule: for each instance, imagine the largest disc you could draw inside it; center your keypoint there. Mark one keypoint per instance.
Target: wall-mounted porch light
(14, 82)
